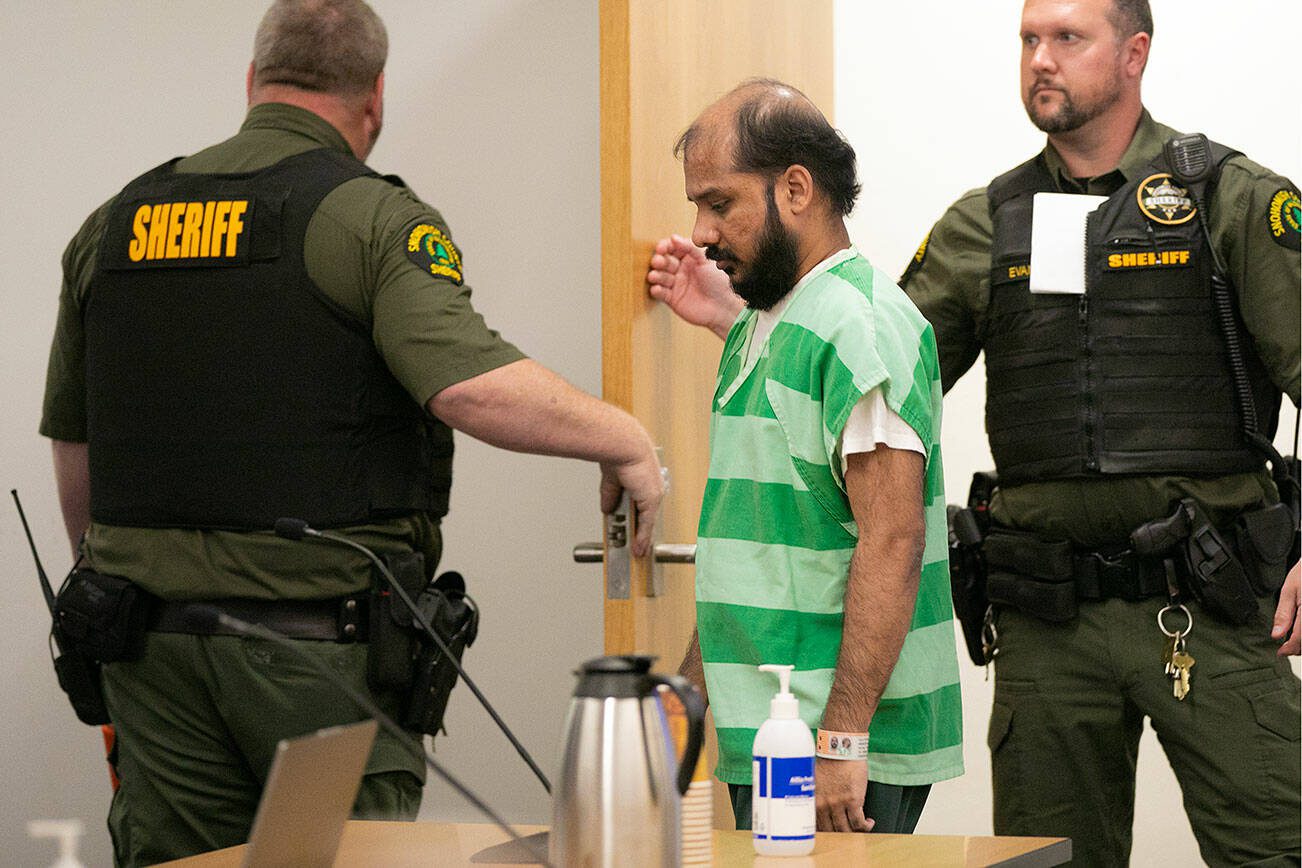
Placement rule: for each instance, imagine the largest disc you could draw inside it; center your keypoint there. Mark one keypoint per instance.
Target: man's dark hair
(1129, 17)
(778, 127)
(330, 46)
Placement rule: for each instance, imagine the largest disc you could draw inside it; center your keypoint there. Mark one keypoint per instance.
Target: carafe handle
(695, 710)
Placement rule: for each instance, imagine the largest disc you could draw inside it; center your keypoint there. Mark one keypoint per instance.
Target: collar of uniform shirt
(1146, 144)
(291, 118)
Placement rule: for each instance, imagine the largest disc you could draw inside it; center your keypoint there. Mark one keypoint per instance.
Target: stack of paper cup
(697, 807)
(698, 818)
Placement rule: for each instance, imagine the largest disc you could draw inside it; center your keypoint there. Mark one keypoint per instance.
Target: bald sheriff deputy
(269, 328)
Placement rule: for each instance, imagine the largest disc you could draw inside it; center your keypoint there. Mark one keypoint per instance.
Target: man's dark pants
(895, 809)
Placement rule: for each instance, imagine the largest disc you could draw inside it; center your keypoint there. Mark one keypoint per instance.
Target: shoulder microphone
(297, 529)
(203, 618)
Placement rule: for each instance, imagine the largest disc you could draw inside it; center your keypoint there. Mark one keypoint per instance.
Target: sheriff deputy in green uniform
(1131, 455)
(1114, 417)
(269, 328)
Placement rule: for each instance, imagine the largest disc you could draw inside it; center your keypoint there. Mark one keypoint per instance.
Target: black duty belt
(341, 619)
(1046, 578)
(1104, 575)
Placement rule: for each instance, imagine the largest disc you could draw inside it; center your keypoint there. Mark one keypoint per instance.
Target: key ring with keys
(1178, 633)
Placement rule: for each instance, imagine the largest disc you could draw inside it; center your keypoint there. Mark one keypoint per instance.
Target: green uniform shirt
(355, 250)
(777, 532)
(950, 283)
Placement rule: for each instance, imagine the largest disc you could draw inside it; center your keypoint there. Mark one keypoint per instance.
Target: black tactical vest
(1132, 377)
(224, 389)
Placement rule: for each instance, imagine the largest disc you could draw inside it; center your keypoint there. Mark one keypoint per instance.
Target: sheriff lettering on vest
(822, 534)
(269, 328)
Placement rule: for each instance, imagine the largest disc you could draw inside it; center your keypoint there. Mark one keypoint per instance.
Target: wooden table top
(371, 843)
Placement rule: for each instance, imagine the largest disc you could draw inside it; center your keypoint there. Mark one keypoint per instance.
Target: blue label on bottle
(790, 776)
(793, 776)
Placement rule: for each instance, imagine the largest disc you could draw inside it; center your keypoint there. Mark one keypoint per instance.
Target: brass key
(1168, 651)
(1182, 662)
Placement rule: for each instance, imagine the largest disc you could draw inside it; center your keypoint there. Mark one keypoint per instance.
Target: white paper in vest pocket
(1058, 241)
(309, 794)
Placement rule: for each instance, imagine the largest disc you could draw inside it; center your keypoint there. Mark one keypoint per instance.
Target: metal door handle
(619, 570)
(664, 553)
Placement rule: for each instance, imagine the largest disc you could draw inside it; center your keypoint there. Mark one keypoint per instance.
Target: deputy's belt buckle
(1116, 575)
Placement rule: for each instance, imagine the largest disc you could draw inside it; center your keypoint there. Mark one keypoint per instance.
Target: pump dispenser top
(783, 705)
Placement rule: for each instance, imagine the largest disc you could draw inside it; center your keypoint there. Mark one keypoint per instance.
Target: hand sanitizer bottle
(782, 770)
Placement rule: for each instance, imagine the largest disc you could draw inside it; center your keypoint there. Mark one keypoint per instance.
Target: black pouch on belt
(101, 617)
(1031, 574)
(393, 644)
(79, 678)
(1265, 538)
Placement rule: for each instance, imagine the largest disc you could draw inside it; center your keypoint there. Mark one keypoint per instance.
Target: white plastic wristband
(842, 745)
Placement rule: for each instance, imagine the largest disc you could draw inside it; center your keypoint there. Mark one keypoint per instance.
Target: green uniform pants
(1070, 702)
(198, 719)
(894, 809)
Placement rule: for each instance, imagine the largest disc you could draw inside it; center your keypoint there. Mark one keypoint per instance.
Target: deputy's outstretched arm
(525, 407)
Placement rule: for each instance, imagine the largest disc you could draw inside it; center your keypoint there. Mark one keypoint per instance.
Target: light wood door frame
(662, 61)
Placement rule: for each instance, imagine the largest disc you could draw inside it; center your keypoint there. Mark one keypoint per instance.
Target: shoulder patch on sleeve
(1284, 219)
(431, 249)
(916, 262)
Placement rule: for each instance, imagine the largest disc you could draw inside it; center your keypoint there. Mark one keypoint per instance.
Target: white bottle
(782, 776)
(67, 832)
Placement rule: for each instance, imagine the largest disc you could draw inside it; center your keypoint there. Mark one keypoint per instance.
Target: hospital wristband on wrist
(841, 745)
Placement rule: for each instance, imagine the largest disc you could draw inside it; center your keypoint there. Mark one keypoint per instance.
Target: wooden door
(662, 62)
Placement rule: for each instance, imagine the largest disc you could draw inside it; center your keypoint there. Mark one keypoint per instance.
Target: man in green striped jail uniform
(822, 540)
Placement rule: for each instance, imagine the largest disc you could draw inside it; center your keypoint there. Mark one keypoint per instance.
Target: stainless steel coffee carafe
(616, 801)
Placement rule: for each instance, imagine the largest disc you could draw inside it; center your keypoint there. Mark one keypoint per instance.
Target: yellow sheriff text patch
(1148, 259)
(215, 229)
(1285, 219)
(1163, 202)
(432, 250)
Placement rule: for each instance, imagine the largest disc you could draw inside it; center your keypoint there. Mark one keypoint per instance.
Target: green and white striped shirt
(777, 532)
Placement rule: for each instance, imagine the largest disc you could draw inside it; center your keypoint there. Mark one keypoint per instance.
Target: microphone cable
(206, 617)
(296, 529)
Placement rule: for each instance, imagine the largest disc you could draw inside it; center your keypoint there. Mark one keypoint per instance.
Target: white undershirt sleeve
(872, 422)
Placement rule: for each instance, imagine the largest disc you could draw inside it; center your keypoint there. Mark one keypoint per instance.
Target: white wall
(927, 92)
(492, 118)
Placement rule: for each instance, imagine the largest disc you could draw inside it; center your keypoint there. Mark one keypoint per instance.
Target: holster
(967, 566)
(1212, 572)
(455, 618)
(401, 657)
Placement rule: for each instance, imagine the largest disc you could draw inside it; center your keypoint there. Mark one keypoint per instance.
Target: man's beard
(772, 272)
(1069, 115)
